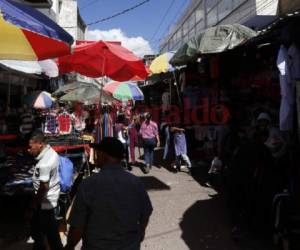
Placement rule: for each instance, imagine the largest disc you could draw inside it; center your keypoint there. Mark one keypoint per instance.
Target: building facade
(202, 14)
(64, 12)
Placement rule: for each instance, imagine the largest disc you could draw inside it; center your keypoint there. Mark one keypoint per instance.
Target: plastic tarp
(87, 95)
(213, 40)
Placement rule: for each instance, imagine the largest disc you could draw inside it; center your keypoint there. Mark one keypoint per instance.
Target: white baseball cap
(264, 116)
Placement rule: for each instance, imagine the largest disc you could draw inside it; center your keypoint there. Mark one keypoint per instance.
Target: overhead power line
(162, 20)
(119, 14)
(115, 15)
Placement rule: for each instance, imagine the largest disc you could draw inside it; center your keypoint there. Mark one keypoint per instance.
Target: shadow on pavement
(152, 183)
(14, 230)
(206, 225)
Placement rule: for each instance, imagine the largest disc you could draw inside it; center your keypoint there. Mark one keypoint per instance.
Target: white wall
(68, 17)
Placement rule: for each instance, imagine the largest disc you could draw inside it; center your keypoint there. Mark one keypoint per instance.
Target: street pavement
(187, 215)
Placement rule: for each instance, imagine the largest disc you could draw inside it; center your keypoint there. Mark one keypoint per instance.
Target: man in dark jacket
(112, 208)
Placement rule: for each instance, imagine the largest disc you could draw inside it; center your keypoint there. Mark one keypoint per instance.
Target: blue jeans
(149, 145)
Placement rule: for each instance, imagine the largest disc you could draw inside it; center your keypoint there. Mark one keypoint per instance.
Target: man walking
(111, 209)
(47, 188)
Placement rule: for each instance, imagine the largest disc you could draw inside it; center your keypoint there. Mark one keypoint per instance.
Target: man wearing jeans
(149, 133)
(47, 188)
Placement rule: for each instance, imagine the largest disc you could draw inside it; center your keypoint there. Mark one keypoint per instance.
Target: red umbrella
(99, 58)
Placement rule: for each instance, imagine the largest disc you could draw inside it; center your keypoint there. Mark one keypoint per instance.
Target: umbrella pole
(170, 86)
(9, 90)
(100, 101)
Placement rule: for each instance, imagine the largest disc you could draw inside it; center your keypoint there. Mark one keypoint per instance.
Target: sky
(140, 30)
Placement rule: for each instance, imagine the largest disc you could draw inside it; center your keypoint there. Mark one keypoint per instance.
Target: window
(191, 20)
(212, 17)
(199, 27)
(237, 3)
(192, 33)
(185, 39)
(185, 28)
(224, 8)
(178, 35)
(210, 4)
(199, 12)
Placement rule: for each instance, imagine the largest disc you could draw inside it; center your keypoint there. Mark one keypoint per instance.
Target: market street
(186, 215)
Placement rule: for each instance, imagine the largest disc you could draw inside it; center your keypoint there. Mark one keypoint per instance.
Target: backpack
(66, 171)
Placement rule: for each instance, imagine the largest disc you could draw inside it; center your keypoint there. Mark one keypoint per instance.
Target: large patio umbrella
(124, 91)
(87, 95)
(99, 58)
(161, 64)
(27, 34)
(216, 39)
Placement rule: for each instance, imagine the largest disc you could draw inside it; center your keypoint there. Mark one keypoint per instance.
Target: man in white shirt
(47, 188)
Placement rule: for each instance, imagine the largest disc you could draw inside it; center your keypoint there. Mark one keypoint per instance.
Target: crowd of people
(141, 131)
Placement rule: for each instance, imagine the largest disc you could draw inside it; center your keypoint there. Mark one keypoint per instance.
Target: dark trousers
(44, 226)
(149, 145)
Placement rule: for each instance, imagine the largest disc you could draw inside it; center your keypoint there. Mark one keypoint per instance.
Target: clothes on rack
(166, 101)
(79, 120)
(104, 127)
(27, 120)
(294, 57)
(64, 123)
(287, 91)
(107, 125)
(51, 124)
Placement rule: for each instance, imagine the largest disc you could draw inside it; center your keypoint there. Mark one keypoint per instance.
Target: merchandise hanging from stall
(105, 123)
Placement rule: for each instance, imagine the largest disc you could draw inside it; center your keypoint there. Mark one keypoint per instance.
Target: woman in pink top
(150, 136)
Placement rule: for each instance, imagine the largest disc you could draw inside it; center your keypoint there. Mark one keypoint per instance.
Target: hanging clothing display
(105, 123)
(287, 91)
(27, 121)
(182, 81)
(166, 101)
(64, 123)
(79, 121)
(294, 57)
(294, 62)
(51, 126)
